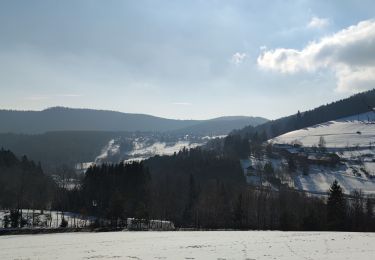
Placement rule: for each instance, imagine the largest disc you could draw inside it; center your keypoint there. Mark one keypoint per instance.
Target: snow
(320, 179)
(207, 137)
(351, 131)
(82, 167)
(111, 149)
(352, 139)
(352, 174)
(143, 150)
(260, 245)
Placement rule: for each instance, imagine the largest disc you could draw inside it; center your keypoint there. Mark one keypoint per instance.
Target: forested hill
(69, 119)
(356, 104)
(23, 183)
(221, 125)
(59, 148)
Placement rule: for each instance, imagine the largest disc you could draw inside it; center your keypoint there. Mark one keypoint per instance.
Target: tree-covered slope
(58, 148)
(356, 104)
(69, 119)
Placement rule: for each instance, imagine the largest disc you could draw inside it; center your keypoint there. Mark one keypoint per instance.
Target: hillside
(357, 130)
(23, 182)
(66, 136)
(59, 148)
(69, 119)
(221, 125)
(351, 139)
(354, 105)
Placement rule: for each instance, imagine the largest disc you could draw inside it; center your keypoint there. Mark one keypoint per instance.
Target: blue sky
(185, 59)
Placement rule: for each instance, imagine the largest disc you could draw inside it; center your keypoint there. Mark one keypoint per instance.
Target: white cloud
(318, 23)
(238, 58)
(349, 53)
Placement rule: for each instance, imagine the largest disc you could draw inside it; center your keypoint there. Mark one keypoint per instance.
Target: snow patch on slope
(320, 179)
(143, 150)
(111, 149)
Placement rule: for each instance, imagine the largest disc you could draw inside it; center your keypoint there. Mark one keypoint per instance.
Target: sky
(193, 59)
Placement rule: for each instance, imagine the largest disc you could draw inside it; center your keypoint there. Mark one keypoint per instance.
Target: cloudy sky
(185, 59)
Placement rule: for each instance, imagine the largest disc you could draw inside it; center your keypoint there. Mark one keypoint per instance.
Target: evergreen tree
(239, 212)
(268, 169)
(357, 215)
(191, 200)
(336, 207)
(370, 214)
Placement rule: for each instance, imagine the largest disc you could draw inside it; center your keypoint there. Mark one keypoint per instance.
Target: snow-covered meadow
(353, 131)
(206, 245)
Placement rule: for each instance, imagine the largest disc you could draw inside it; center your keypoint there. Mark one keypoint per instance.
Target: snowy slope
(143, 151)
(353, 140)
(320, 178)
(358, 130)
(143, 148)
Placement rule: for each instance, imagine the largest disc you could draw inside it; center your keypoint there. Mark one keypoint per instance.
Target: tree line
(193, 188)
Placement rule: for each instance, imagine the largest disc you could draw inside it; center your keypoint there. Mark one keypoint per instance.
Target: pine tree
(336, 207)
(268, 169)
(370, 214)
(192, 197)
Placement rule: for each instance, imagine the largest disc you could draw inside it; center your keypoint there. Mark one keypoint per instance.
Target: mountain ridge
(84, 119)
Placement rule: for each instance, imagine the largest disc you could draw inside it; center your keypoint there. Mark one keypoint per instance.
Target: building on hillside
(309, 155)
(253, 170)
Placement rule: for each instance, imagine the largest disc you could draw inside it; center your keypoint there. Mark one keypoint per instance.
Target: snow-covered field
(207, 245)
(351, 131)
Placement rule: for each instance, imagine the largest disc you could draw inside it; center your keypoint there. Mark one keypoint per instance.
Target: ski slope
(358, 130)
(160, 148)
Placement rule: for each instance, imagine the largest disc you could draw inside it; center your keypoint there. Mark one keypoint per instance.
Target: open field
(190, 245)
